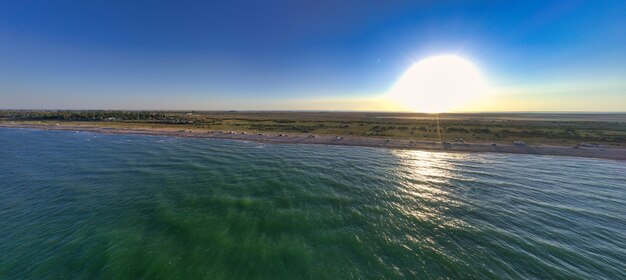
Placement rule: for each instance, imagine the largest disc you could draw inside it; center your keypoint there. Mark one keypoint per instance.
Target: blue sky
(321, 55)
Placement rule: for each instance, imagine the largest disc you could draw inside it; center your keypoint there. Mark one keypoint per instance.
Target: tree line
(91, 115)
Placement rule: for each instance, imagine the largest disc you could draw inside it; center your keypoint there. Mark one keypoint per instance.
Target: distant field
(607, 129)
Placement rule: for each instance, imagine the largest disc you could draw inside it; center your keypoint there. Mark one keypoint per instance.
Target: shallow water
(76, 204)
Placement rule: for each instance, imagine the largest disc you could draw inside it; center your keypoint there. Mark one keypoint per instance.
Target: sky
(305, 55)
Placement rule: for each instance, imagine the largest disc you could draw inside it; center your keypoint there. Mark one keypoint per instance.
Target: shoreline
(296, 138)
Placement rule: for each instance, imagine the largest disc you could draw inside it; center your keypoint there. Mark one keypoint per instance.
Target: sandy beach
(295, 138)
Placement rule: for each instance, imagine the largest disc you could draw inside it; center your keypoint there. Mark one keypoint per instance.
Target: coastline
(298, 138)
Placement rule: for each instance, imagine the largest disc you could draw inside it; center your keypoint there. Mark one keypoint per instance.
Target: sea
(82, 205)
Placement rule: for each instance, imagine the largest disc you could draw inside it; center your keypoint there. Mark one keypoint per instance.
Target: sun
(438, 84)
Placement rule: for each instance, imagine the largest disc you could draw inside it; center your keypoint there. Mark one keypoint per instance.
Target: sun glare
(438, 84)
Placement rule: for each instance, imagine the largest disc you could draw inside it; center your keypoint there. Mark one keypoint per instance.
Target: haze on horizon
(317, 55)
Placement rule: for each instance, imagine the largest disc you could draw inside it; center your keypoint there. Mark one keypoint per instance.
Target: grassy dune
(534, 128)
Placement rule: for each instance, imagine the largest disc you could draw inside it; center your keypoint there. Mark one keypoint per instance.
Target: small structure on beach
(588, 145)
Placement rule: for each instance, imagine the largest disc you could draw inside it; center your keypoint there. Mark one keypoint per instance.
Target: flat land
(571, 134)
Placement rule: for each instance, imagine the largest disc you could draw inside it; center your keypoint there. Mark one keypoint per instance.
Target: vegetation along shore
(586, 135)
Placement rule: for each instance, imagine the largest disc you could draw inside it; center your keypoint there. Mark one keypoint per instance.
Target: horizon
(320, 111)
(282, 139)
(527, 57)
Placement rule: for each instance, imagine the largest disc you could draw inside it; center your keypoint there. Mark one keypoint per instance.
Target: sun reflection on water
(427, 193)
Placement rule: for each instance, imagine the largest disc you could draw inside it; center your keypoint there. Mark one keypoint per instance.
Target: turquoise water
(84, 205)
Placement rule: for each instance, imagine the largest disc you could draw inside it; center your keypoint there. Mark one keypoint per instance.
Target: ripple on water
(84, 205)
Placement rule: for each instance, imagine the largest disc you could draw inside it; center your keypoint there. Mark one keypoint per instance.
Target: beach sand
(296, 138)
